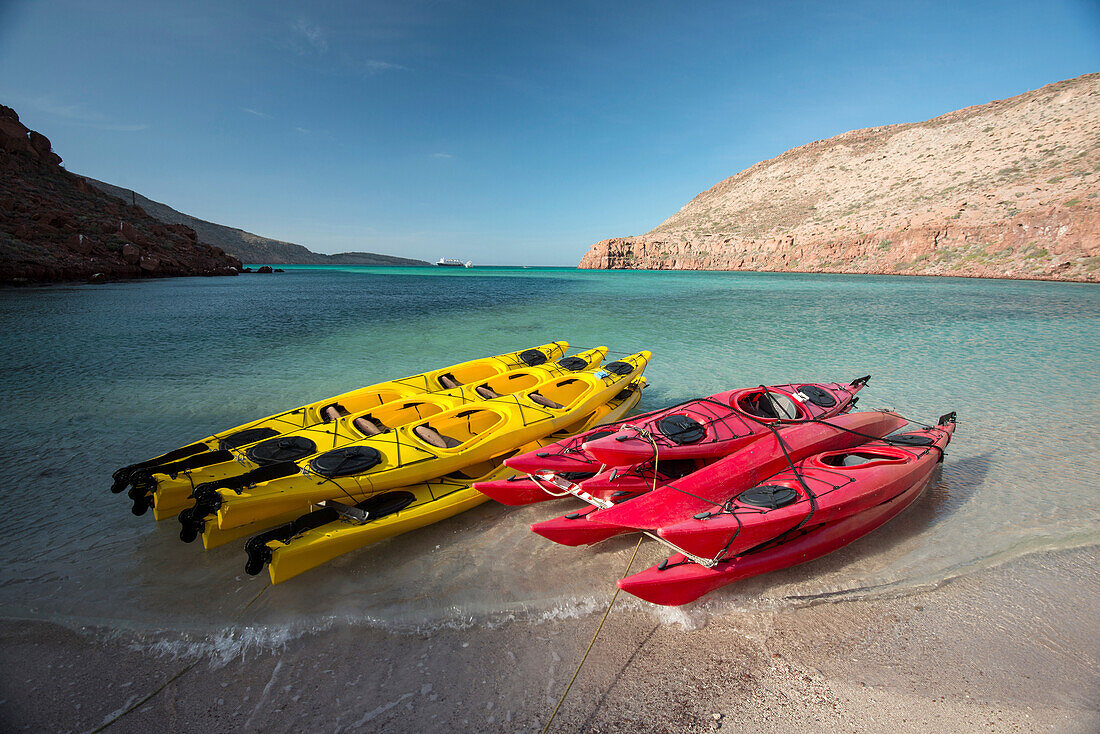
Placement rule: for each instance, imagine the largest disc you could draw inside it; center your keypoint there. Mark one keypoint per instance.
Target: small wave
(237, 642)
(931, 582)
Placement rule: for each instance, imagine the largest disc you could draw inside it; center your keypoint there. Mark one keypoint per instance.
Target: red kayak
(678, 580)
(715, 426)
(842, 483)
(525, 490)
(716, 483)
(731, 415)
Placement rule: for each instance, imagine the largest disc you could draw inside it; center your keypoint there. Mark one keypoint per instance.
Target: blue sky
(505, 132)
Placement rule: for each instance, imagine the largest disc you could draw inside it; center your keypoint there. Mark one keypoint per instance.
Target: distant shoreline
(1037, 278)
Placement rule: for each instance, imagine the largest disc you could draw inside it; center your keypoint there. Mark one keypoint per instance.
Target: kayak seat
(856, 460)
(330, 413)
(448, 381)
(860, 458)
(369, 426)
(545, 401)
(429, 435)
(776, 407)
(486, 392)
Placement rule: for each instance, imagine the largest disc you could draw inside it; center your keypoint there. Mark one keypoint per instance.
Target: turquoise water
(95, 377)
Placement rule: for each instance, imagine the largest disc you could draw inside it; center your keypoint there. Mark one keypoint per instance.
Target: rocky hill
(1009, 189)
(54, 226)
(248, 247)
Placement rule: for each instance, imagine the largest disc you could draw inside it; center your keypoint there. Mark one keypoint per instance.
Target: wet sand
(988, 652)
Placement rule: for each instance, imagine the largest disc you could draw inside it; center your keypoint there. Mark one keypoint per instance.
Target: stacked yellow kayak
(171, 494)
(144, 477)
(337, 528)
(423, 449)
(339, 473)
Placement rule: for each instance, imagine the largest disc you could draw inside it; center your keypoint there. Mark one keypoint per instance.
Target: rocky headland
(55, 226)
(1008, 189)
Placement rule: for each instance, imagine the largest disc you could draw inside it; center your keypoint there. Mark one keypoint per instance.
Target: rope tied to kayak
(592, 642)
(642, 433)
(609, 351)
(648, 437)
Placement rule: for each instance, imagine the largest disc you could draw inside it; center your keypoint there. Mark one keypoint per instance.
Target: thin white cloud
(370, 67)
(257, 113)
(302, 130)
(374, 65)
(442, 155)
(309, 37)
(78, 114)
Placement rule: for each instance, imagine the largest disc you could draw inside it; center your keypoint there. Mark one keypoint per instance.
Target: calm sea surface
(95, 377)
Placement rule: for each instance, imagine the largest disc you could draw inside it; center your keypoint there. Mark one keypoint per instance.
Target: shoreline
(26, 283)
(1037, 279)
(985, 652)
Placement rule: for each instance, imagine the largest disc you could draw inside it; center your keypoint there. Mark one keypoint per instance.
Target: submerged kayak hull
(322, 545)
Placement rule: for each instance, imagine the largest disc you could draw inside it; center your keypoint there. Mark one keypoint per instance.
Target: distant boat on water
(444, 262)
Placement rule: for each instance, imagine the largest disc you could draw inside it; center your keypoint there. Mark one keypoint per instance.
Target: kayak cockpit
(394, 415)
(768, 405)
(451, 432)
(862, 457)
(506, 384)
(358, 403)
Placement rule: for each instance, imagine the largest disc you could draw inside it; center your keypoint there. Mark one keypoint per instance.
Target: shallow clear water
(95, 377)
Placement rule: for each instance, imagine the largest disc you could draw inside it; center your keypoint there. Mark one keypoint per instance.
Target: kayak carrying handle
(121, 477)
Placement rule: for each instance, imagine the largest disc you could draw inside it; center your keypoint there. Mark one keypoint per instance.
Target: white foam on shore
(224, 644)
(221, 647)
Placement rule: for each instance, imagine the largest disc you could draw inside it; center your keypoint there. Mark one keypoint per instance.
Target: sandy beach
(985, 652)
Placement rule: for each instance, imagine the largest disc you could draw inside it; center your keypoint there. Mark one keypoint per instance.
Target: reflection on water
(97, 377)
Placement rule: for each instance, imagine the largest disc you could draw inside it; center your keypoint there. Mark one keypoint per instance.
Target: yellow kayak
(445, 442)
(212, 449)
(615, 409)
(171, 491)
(319, 536)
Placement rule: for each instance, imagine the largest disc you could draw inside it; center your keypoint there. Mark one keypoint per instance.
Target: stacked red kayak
(796, 515)
(738, 484)
(669, 443)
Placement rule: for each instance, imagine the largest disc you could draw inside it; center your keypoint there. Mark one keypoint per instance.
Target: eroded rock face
(1010, 189)
(54, 226)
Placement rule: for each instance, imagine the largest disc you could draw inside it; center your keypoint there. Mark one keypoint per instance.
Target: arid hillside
(248, 247)
(1009, 189)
